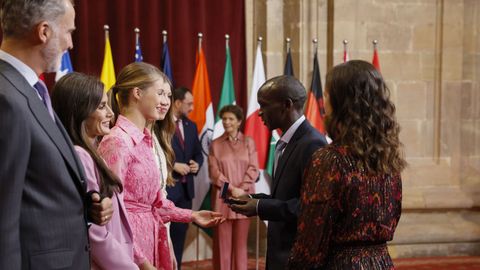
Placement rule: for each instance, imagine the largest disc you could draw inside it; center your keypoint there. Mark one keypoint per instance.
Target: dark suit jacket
(42, 218)
(192, 151)
(281, 208)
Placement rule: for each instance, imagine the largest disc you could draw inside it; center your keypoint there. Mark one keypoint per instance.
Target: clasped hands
(184, 169)
(100, 209)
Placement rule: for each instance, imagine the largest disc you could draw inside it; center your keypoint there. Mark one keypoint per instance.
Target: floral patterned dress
(128, 152)
(347, 215)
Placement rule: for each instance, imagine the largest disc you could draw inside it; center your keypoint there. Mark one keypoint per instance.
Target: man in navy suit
(188, 159)
(281, 102)
(43, 199)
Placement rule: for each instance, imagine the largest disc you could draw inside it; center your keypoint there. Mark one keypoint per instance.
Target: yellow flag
(108, 71)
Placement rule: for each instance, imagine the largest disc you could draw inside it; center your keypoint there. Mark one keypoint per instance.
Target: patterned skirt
(360, 257)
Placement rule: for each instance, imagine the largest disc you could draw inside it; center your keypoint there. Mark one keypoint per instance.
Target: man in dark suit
(188, 159)
(43, 221)
(281, 102)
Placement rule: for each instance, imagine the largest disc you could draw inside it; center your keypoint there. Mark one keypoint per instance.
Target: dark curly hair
(363, 117)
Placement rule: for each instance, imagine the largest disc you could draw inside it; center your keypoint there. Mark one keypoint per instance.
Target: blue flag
(138, 52)
(65, 66)
(166, 66)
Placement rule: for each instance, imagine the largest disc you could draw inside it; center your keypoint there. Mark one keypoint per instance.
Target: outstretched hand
(207, 219)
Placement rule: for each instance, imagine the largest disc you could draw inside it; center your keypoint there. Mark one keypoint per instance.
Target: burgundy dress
(347, 215)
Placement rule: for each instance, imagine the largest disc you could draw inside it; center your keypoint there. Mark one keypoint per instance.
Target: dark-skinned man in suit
(281, 102)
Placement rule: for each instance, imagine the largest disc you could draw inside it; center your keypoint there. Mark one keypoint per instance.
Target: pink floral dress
(128, 152)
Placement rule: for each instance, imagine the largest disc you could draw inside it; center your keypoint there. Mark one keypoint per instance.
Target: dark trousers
(178, 231)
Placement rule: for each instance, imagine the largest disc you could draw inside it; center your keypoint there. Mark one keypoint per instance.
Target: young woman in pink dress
(81, 105)
(142, 94)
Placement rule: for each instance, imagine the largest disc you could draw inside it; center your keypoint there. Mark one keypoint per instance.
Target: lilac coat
(112, 244)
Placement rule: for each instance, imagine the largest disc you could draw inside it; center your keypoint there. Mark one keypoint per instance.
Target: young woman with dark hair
(81, 105)
(352, 192)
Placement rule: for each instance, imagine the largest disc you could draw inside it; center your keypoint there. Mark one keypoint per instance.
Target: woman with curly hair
(351, 197)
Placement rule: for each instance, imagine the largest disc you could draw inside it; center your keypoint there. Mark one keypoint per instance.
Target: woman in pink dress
(232, 159)
(141, 94)
(81, 105)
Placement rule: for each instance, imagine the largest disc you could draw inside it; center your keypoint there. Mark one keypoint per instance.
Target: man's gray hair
(18, 17)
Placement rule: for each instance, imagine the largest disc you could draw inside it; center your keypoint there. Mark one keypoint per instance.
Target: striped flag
(314, 109)
(202, 115)
(254, 126)
(65, 66)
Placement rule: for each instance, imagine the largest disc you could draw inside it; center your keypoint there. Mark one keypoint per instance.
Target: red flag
(375, 61)
(345, 51)
(314, 110)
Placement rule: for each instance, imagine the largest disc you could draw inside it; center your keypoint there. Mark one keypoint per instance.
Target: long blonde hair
(144, 75)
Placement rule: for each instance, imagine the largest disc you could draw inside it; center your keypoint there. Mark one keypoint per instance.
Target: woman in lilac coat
(81, 105)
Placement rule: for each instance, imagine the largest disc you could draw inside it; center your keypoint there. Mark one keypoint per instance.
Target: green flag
(227, 96)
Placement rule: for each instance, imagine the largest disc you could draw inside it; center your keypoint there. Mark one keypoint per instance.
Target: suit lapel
(42, 116)
(292, 144)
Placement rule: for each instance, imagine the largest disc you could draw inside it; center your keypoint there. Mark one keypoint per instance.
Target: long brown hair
(144, 75)
(164, 130)
(75, 97)
(363, 117)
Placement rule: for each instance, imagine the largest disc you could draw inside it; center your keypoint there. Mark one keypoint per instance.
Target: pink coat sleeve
(115, 151)
(252, 171)
(107, 252)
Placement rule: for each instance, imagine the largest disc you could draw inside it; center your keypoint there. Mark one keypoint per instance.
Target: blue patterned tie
(43, 92)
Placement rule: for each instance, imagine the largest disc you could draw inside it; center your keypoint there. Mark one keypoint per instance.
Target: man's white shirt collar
(26, 71)
(291, 130)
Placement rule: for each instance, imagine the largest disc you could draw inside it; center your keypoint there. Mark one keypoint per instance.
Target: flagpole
(227, 39)
(345, 52)
(257, 234)
(374, 42)
(106, 28)
(197, 247)
(164, 33)
(315, 45)
(200, 37)
(137, 34)
(287, 40)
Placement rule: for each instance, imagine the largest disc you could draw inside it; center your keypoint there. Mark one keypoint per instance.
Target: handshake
(240, 202)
